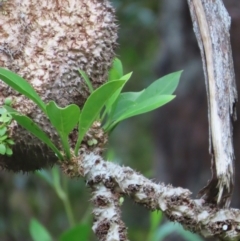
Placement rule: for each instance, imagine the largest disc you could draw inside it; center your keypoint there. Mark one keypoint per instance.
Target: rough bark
(110, 181)
(212, 25)
(47, 43)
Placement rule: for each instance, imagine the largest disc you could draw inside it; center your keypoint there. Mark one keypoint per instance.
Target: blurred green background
(26, 195)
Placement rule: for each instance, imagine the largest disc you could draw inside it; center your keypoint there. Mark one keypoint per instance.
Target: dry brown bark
(212, 25)
(186, 119)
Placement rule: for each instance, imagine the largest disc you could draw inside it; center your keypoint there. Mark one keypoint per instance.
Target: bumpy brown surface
(46, 42)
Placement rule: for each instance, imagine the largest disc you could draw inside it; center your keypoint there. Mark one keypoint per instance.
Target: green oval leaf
(22, 86)
(128, 106)
(38, 231)
(9, 151)
(10, 141)
(3, 130)
(2, 149)
(4, 137)
(94, 105)
(135, 103)
(4, 115)
(166, 85)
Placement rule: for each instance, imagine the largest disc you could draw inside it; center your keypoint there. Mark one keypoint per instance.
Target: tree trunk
(183, 141)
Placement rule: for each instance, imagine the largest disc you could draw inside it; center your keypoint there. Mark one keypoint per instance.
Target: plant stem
(63, 195)
(79, 140)
(68, 210)
(66, 147)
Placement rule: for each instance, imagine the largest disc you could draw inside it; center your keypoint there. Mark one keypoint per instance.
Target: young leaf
(22, 86)
(4, 116)
(8, 101)
(94, 105)
(166, 85)
(38, 231)
(120, 105)
(33, 128)
(116, 72)
(112, 99)
(10, 142)
(9, 151)
(2, 138)
(135, 103)
(64, 120)
(127, 107)
(87, 80)
(2, 149)
(3, 130)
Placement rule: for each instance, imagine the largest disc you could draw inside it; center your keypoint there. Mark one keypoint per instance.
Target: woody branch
(203, 216)
(211, 24)
(110, 181)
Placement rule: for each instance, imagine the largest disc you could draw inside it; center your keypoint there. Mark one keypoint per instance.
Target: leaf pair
(65, 119)
(93, 107)
(125, 105)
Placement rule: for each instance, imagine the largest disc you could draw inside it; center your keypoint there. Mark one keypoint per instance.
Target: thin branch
(211, 24)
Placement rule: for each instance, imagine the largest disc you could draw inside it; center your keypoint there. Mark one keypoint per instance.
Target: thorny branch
(107, 214)
(203, 216)
(109, 181)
